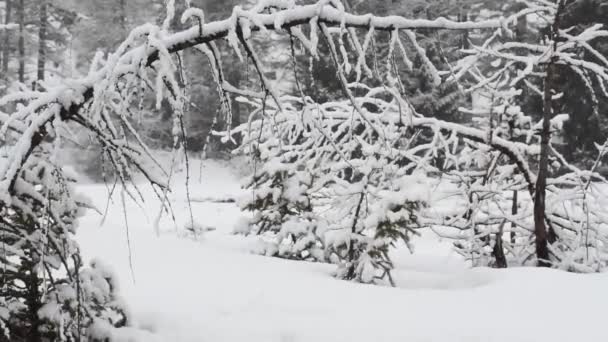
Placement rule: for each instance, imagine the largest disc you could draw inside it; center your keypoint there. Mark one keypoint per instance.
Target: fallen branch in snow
(213, 200)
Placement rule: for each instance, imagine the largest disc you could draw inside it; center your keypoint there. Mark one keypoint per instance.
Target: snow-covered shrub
(320, 173)
(372, 221)
(45, 292)
(86, 307)
(491, 184)
(277, 193)
(577, 214)
(281, 188)
(301, 238)
(280, 201)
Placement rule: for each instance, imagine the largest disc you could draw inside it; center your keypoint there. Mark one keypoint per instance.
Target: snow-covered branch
(91, 101)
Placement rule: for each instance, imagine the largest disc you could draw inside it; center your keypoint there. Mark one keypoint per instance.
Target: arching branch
(72, 99)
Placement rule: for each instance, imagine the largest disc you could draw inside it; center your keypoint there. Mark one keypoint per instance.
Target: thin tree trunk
(235, 79)
(350, 273)
(540, 227)
(521, 30)
(21, 18)
(42, 41)
(513, 212)
(498, 251)
(32, 301)
(7, 40)
(464, 38)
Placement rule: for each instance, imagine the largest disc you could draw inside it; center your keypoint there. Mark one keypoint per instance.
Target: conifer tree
(46, 293)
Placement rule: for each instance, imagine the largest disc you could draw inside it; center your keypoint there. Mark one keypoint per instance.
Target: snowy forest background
(241, 157)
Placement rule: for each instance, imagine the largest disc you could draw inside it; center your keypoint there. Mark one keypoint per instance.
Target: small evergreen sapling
(278, 189)
(383, 217)
(281, 197)
(46, 294)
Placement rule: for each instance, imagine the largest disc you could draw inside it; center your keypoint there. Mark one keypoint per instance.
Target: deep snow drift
(210, 287)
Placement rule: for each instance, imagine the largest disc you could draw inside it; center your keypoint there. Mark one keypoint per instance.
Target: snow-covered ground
(211, 288)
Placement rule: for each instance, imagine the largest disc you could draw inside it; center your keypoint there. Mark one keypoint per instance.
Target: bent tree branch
(75, 98)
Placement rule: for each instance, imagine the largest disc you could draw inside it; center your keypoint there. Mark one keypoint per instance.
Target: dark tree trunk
(350, 273)
(33, 302)
(7, 40)
(500, 261)
(464, 38)
(42, 40)
(513, 212)
(540, 227)
(21, 18)
(521, 30)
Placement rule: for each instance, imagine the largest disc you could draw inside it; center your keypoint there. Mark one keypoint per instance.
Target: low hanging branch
(78, 97)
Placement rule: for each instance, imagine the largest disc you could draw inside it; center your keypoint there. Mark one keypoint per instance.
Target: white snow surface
(212, 288)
